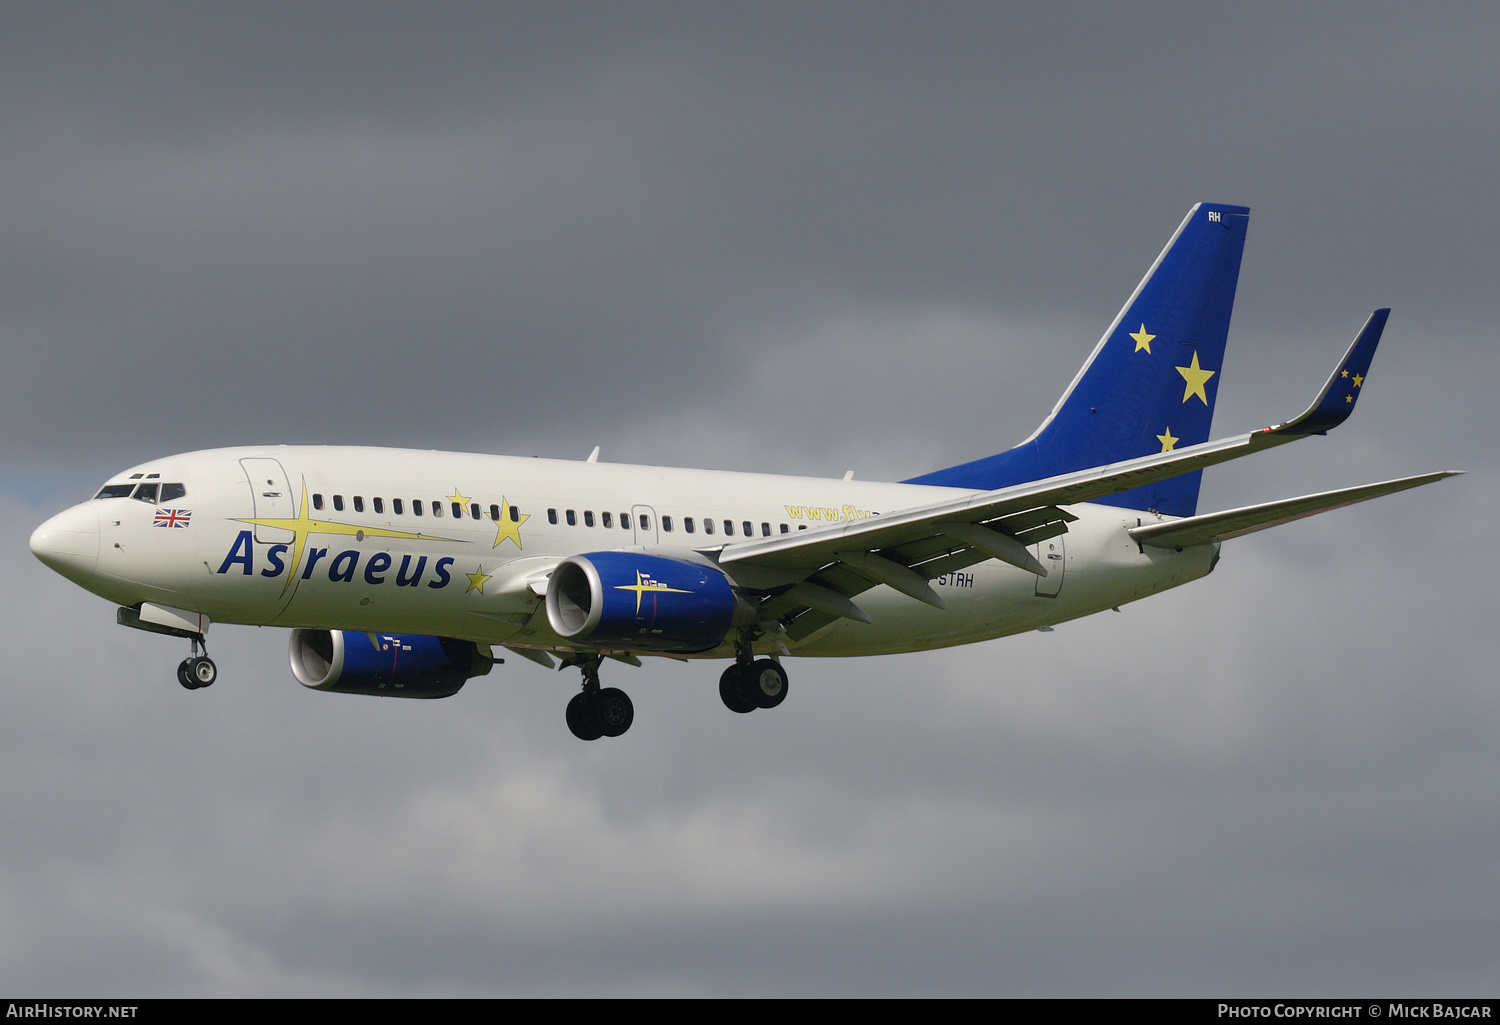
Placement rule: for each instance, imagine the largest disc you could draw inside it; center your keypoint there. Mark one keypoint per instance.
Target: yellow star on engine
(1196, 377)
(1142, 339)
(505, 527)
(1167, 441)
(1358, 380)
(458, 496)
(476, 580)
(644, 584)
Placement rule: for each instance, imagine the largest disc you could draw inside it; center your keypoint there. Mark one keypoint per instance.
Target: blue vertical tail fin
(1149, 384)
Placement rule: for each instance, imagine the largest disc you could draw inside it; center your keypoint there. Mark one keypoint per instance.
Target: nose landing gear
(197, 671)
(598, 712)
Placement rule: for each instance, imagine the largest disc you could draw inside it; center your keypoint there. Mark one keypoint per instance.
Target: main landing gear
(197, 670)
(752, 683)
(598, 712)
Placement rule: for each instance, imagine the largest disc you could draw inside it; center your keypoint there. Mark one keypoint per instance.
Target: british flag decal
(172, 517)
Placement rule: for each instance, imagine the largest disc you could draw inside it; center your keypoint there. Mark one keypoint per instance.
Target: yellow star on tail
(506, 528)
(1167, 441)
(1142, 339)
(1196, 377)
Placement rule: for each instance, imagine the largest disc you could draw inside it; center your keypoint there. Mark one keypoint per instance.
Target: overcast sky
(797, 238)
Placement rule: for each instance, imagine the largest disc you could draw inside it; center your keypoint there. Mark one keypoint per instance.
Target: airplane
(399, 572)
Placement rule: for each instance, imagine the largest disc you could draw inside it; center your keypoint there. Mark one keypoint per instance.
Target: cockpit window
(116, 491)
(146, 493)
(170, 492)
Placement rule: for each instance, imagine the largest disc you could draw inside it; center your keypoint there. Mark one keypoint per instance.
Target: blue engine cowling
(636, 602)
(387, 665)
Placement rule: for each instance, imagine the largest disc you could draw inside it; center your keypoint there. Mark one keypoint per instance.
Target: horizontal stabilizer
(1221, 526)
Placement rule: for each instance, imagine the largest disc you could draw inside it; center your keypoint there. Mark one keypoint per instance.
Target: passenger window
(474, 511)
(687, 524)
(784, 529)
(396, 505)
(416, 508)
(116, 491)
(606, 519)
(317, 501)
(765, 530)
(379, 506)
(437, 508)
(338, 503)
(588, 517)
(708, 526)
(552, 516)
(729, 528)
(572, 518)
(495, 513)
(359, 504)
(145, 493)
(645, 522)
(666, 524)
(749, 530)
(169, 492)
(515, 515)
(458, 511)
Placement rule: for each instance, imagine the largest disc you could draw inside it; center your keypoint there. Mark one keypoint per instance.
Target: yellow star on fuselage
(458, 496)
(505, 527)
(644, 584)
(477, 579)
(1167, 441)
(1196, 377)
(1142, 340)
(304, 525)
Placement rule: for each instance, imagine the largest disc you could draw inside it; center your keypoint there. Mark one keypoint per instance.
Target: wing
(905, 549)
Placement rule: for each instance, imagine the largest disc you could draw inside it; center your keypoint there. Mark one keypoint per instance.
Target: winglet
(1336, 401)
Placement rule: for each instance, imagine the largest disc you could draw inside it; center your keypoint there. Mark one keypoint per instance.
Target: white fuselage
(365, 566)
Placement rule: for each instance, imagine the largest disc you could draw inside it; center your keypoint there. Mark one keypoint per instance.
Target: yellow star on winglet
(1348, 398)
(1142, 339)
(476, 580)
(1358, 380)
(1344, 373)
(1167, 441)
(458, 496)
(1196, 377)
(505, 528)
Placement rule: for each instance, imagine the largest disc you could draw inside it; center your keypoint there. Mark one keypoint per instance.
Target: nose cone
(69, 542)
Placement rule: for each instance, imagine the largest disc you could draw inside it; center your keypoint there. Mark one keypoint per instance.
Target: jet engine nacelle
(637, 602)
(386, 665)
